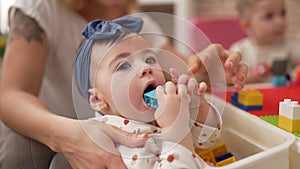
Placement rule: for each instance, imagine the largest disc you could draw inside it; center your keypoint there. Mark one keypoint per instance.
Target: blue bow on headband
(99, 30)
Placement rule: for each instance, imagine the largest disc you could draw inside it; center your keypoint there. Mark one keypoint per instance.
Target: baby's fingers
(182, 91)
(170, 88)
(192, 86)
(160, 92)
(183, 79)
(174, 75)
(202, 88)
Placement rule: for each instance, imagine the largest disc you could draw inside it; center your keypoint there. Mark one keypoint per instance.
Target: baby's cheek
(135, 97)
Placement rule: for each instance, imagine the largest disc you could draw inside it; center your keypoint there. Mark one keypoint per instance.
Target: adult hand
(235, 71)
(91, 144)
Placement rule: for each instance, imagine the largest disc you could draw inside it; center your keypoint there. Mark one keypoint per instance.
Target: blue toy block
(249, 108)
(234, 101)
(223, 157)
(150, 98)
(234, 98)
(280, 80)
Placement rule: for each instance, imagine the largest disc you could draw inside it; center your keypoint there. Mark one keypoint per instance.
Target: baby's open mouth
(149, 88)
(148, 95)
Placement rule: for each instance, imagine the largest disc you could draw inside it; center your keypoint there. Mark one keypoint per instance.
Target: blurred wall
(227, 8)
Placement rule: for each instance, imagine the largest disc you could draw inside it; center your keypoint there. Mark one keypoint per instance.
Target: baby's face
(268, 22)
(129, 70)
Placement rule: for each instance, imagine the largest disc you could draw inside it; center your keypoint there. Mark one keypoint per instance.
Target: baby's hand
(173, 106)
(195, 90)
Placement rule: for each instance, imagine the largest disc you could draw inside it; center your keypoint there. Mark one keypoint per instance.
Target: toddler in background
(114, 68)
(266, 51)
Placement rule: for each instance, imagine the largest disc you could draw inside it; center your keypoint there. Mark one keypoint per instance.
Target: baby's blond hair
(245, 7)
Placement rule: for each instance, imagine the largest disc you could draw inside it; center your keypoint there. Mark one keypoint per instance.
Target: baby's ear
(244, 23)
(97, 103)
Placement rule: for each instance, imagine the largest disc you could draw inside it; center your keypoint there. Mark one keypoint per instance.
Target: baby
(267, 51)
(114, 68)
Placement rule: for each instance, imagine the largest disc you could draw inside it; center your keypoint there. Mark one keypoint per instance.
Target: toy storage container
(255, 143)
(295, 155)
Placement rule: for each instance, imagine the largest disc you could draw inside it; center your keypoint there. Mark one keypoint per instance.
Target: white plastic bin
(295, 155)
(255, 143)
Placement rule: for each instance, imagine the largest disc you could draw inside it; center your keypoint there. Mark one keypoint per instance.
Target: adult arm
(21, 110)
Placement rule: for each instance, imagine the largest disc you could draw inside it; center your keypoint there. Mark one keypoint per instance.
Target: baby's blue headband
(99, 30)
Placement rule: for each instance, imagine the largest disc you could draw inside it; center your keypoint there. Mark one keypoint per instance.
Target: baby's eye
(150, 60)
(268, 16)
(123, 66)
(283, 13)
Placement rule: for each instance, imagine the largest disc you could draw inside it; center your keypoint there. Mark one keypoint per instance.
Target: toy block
(289, 115)
(207, 155)
(250, 98)
(226, 161)
(223, 157)
(280, 80)
(219, 149)
(217, 155)
(234, 100)
(250, 108)
(273, 119)
(289, 109)
(288, 124)
(150, 98)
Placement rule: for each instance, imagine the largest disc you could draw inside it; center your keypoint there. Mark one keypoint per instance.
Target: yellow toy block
(219, 149)
(207, 155)
(226, 161)
(289, 124)
(250, 98)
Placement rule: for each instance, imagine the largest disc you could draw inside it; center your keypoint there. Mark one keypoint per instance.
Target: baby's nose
(145, 71)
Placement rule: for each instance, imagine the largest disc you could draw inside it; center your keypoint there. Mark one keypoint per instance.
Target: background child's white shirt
(253, 55)
(172, 155)
(63, 29)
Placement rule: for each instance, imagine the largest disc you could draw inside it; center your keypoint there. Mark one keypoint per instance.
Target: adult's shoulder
(41, 11)
(34, 8)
